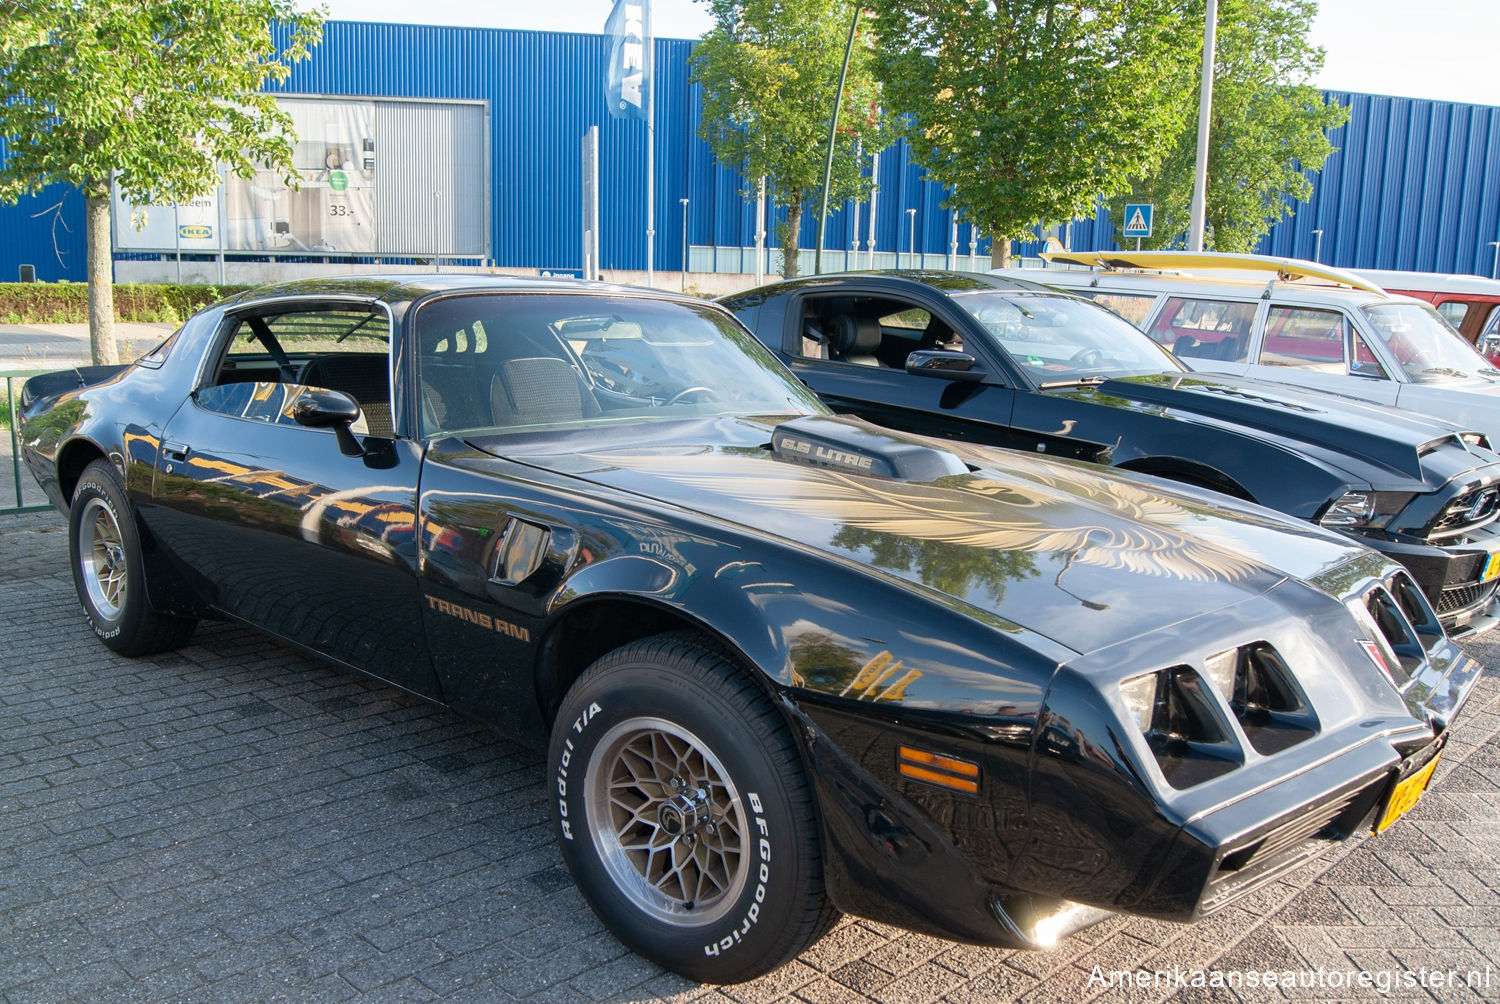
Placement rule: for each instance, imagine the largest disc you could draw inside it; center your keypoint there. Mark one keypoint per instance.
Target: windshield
(1424, 344)
(1060, 338)
(526, 361)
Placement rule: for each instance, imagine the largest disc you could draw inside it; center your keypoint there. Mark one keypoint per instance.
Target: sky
(1447, 50)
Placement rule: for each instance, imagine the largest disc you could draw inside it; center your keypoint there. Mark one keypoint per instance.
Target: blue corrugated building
(1415, 184)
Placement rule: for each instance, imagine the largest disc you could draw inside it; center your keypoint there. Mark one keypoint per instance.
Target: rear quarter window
(1133, 307)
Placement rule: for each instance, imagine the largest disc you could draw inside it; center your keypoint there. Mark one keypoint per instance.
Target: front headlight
(1363, 510)
(1140, 700)
(1349, 509)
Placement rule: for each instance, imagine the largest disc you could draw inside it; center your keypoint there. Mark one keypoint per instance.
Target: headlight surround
(1186, 734)
(1186, 728)
(1363, 510)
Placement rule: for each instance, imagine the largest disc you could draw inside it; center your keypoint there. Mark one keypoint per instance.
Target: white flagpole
(651, 152)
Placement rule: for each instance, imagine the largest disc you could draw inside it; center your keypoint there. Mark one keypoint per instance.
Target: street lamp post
(833, 125)
(1317, 245)
(1205, 112)
(1495, 266)
(684, 244)
(952, 237)
(911, 239)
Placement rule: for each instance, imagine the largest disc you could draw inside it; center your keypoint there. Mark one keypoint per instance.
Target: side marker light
(935, 768)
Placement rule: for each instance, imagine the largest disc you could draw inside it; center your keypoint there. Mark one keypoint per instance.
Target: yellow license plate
(1491, 568)
(1406, 794)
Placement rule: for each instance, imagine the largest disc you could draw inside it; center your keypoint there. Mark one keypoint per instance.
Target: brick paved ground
(235, 822)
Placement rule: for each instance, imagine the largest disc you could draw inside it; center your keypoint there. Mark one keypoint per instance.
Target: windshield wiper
(1088, 381)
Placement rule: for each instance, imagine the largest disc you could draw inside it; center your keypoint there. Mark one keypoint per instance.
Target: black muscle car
(1008, 362)
(784, 664)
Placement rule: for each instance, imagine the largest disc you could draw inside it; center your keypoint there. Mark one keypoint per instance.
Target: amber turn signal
(934, 768)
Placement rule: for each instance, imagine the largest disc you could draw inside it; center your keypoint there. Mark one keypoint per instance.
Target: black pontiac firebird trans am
(785, 664)
(1008, 362)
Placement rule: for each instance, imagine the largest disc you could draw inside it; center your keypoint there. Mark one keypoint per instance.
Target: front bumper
(1451, 576)
(1056, 841)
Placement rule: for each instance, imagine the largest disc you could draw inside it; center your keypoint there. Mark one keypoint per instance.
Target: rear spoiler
(60, 382)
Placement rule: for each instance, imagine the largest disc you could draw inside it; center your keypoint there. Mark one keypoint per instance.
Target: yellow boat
(1282, 268)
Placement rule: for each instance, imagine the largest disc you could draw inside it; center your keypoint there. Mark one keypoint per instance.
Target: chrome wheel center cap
(685, 813)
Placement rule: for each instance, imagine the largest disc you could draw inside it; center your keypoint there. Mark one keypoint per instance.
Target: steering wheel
(1086, 356)
(686, 391)
(1417, 360)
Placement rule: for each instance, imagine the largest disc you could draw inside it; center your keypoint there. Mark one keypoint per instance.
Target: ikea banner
(627, 79)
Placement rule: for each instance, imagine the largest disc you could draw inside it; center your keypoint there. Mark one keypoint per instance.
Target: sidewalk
(55, 346)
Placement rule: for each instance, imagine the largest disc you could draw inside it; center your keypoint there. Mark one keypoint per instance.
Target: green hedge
(68, 302)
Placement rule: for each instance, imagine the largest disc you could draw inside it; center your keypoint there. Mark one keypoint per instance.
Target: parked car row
(788, 663)
(1468, 302)
(1009, 362)
(1345, 335)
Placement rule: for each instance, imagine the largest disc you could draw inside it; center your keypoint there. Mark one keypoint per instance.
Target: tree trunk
(101, 269)
(788, 232)
(1000, 252)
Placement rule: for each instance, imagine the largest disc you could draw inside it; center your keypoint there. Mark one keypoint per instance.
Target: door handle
(175, 451)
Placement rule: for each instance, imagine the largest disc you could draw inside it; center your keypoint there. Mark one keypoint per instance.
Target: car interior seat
(540, 390)
(856, 339)
(363, 376)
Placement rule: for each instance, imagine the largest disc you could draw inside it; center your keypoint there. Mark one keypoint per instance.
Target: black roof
(408, 287)
(938, 280)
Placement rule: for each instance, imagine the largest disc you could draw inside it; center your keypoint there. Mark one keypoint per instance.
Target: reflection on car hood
(1072, 551)
(1376, 434)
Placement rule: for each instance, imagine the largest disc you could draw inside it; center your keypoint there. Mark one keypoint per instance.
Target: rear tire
(104, 548)
(684, 813)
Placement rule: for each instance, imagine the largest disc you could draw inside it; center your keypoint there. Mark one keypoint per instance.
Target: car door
(1321, 348)
(303, 532)
(851, 348)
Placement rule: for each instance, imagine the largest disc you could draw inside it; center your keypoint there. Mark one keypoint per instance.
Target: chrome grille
(1301, 829)
(1470, 511)
(1455, 598)
(1288, 844)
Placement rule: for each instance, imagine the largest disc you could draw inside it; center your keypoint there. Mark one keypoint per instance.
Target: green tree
(153, 93)
(1268, 128)
(769, 70)
(1033, 110)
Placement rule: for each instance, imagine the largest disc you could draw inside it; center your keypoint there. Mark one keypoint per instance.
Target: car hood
(1395, 440)
(1072, 551)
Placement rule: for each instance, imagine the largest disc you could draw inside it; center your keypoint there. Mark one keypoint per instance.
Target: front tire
(684, 813)
(104, 548)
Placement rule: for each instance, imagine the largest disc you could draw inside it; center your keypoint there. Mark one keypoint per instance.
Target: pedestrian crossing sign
(1138, 219)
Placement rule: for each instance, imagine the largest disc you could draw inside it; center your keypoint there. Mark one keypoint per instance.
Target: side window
(1364, 362)
(870, 330)
(1205, 329)
(1306, 339)
(1133, 307)
(1453, 312)
(270, 359)
(1488, 341)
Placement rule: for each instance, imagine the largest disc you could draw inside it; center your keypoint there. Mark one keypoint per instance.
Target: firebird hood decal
(1131, 530)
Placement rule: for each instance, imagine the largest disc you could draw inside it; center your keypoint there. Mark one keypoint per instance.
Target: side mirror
(944, 365)
(320, 408)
